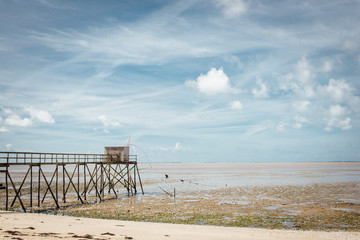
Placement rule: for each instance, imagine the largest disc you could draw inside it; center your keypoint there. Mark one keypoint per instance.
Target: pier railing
(21, 158)
(66, 177)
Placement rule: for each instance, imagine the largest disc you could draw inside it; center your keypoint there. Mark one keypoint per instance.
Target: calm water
(207, 176)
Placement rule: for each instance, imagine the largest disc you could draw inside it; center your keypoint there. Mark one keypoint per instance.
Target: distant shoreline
(316, 162)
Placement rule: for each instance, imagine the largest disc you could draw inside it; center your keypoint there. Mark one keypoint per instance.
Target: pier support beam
(98, 180)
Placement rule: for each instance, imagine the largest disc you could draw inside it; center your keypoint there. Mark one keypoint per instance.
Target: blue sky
(190, 81)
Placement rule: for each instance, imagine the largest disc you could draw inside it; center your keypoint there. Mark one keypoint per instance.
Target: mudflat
(283, 196)
(296, 196)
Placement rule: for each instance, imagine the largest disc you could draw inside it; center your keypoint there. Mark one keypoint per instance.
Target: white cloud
(232, 8)
(337, 118)
(4, 129)
(350, 45)
(213, 83)
(15, 120)
(262, 91)
(178, 147)
(301, 81)
(236, 105)
(344, 124)
(263, 126)
(304, 71)
(337, 110)
(280, 128)
(235, 61)
(40, 115)
(327, 66)
(304, 75)
(339, 90)
(108, 123)
(299, 122)
(8, 146)
(301, 106)
(330, 104)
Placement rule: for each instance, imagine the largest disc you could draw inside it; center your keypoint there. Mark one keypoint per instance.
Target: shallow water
(209, 176)
(190, 177)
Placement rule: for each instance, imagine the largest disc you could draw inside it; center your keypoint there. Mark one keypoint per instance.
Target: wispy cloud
(232, 8)
(261, 91)
(40, 115)
(236, 105)
(286, 70)
(108, 123)
(176, 148)
(330, 105)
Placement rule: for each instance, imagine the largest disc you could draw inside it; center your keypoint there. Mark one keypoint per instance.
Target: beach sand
(15, 225)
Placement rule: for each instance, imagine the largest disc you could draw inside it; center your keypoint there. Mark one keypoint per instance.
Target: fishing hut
(52, 180)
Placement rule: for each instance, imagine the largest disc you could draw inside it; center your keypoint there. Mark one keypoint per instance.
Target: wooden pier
(53, 180)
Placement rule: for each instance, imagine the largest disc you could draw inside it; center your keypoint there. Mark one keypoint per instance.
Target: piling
(50, 175)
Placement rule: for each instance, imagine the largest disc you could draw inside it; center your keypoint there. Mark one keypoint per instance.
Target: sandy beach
(15, 225)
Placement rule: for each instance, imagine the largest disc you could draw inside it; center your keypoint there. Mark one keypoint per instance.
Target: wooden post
(135, 179)
(102, 189)
(63, 177)
(78, 178)
(57, 181)
(7, 184)
(85, 181)
(128, 180)
(39, 185)
(110, 176)
(96, 181)
(142, 190)
(31, 185)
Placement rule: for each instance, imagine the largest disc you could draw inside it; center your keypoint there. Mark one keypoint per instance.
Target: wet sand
(310, 207)
(14, 225)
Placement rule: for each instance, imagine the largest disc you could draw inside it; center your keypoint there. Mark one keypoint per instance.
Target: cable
(143, 152)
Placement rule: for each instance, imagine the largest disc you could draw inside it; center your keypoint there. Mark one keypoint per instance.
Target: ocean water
(209, 176)
(187, 177)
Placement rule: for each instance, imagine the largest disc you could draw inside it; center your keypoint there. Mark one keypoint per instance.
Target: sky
(188, 81)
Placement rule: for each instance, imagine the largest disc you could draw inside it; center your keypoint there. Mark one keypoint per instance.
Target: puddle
(234, 202)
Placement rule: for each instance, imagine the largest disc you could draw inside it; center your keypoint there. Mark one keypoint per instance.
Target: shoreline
(249, 163)
(42, 226)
